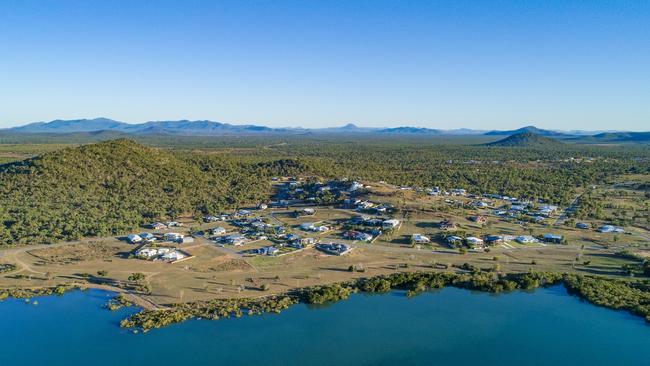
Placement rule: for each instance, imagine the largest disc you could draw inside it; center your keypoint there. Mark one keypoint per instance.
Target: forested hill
(525, 139)
(112, 187)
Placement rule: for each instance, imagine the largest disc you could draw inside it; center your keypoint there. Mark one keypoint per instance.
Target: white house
(420, 239)
(172, 256)
(390, 224)
(321, 228)
(134, 238)
(474, 241)
(454, 239)
(173, 237)
(610, 229)
(218, 231)
(525, 239)
(147, 237)
(147, 253)
(307, 226)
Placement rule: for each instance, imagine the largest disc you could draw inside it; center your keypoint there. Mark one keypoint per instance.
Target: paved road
(574, 204)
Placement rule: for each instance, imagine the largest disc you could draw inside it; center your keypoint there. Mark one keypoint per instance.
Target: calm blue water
(448, 327)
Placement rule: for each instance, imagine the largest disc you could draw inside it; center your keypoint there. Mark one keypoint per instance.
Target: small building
(357, 235)
(235, 239)
(321, 228)
(518, 207)
(134, 238)
(493, 239)
(186, 240)
(218, 231)
(547, 210)
(390, 224)
(552, 238)
(210, 218)
(262, 206)
(420, 239)
(307, 241)
(307, 226)
(333, 248)
(355, 186)
(173, 237)
(526, 239)
(172, 256)
(610, 229)
(446, 225)
(359, 219)
(458, 192)
(147, 237)
(474, 242)
(453, 239)
(146, 253)
(305, 212)
(157, 226)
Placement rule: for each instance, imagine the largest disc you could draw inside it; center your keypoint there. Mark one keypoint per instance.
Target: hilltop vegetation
(112, 187)
(525, 139)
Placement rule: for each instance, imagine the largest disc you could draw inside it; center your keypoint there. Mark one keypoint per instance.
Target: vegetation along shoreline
(610, 293)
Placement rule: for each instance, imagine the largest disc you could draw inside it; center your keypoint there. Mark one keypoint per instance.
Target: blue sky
(441, 64)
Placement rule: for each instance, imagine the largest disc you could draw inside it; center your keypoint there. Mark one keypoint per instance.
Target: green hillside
(112, 187)
(525, 139)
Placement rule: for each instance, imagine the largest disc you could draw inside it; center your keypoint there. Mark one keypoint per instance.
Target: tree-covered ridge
(525, 139)
(112, 187)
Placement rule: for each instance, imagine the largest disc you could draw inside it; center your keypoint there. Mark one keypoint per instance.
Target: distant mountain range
(211, 128)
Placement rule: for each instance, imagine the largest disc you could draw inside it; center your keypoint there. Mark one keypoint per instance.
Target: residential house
(493, 239)
(271, 251)
(610, 229)
(147, 237)
(320, 228)
(173, 237)
(157, 226)
(552, 238)
(420, 239)
(134, 238)
(235, 239)
(307, 226)
(305, 212)
(218, 231)
(390, 224)
(333, 248)
(446, 225)
(172, 256)
(547, 210)
(474, 242)
(458, 192)
(453, 239)
(526, 239)
(357, 235)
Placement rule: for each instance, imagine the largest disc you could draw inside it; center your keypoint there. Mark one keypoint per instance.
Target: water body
(446, 327)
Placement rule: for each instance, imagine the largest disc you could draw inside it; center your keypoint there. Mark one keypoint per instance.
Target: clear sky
(442, 64)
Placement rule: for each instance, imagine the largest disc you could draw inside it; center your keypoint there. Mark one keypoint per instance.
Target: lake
(445, 327)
